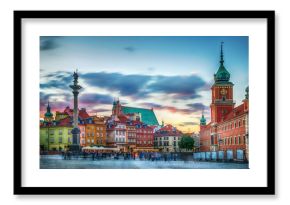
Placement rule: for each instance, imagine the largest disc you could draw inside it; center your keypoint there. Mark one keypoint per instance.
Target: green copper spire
(48, 113)
(202, 120)
(247, 93)
(222, 74)
(222, 54)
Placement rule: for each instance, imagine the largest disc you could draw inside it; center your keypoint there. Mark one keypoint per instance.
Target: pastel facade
(55, 136)
(167, 139)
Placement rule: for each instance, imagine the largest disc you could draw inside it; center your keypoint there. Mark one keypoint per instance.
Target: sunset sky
(172, 75)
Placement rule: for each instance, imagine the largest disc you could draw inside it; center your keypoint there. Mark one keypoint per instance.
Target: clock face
(223, 91)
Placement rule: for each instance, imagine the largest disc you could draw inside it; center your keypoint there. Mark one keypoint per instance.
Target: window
(60, 132)
(60, 140)
(234, 140)
(83, 134)
(93, 140)
(70, 140)
(239, 139)
(69, 131)
(51, 139)
(88, 140)
(239, 123)
(211, 139)
(51, 132)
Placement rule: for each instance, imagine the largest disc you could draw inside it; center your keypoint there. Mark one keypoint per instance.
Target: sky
(171, 74)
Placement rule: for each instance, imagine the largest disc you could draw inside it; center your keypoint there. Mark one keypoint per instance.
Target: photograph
(144, 102)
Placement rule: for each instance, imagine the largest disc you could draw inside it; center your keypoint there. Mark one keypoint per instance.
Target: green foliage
(186, 142)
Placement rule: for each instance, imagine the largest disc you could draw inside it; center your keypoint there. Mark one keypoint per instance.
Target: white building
(167, 138)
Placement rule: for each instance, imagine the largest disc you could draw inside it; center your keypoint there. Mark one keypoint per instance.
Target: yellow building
(56, 136)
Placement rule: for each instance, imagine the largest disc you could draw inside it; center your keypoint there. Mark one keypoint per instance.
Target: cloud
(150, 105)
(197, 106)
(60, 80)
(183, 124)
(173, 109)
(130, 49)
(184, 87)
(136, 87)
(127, 85)
(151, 69)
(140, 86)
(56, 101)
(95, 99)
(48, 43)
(100, 110)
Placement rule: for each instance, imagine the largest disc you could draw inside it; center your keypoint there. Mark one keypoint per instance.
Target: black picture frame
(268, 190)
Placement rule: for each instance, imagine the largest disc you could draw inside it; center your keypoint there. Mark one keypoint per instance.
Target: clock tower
(222, 93)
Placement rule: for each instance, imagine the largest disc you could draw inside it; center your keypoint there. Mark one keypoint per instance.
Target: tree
(186, 142)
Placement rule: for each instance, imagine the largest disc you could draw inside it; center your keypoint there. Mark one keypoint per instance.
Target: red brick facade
(228, 129)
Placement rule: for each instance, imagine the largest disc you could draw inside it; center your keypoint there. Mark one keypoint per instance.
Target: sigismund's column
(75, 147)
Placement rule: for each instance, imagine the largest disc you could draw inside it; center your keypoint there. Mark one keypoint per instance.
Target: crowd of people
(149, 156)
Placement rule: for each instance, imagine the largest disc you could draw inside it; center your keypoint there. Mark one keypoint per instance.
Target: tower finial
(222, 54)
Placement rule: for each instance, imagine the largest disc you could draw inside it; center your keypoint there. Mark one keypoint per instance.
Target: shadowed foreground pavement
(57, 162)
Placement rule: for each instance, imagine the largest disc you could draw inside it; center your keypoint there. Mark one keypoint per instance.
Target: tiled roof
(167, 130)
(122, 118)
(83, 114)
(68, 111)
(66, 122)
(147, 115)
